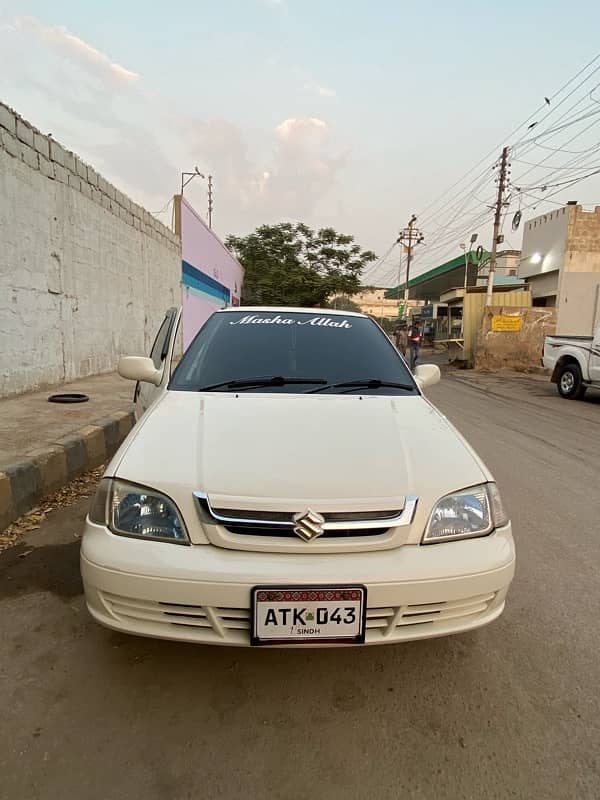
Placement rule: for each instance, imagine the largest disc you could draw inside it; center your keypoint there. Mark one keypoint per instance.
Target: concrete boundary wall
(86, 274)
(578, 303)
(520, 349)
(42, 153)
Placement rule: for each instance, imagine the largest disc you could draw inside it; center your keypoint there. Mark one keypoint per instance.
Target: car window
(238, 345)
(159, 348)
(177, 347)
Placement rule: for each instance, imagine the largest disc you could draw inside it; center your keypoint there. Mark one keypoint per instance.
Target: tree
(388, 325)
(290, 264)
(343, 303)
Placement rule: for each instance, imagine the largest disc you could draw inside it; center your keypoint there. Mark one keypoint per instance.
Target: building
(467, 270)
(560, 262)
(466, 309)
(373, 302)
(455, 293)
(211, 277)
(507, 268)
(430, 285)
(441, 321)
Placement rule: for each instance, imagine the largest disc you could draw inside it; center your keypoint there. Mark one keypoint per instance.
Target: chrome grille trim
(397, 519)
(289, 533)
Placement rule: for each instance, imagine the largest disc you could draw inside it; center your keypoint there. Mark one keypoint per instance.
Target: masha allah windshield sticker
(321, 322)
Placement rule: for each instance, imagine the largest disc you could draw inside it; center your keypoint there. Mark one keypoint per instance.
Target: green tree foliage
(289, 264)
(343, 303)
(388, 325)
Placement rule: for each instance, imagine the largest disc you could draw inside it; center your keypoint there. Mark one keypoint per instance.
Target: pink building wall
(211, 276)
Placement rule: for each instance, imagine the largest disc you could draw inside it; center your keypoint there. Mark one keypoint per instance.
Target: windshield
(295, 351)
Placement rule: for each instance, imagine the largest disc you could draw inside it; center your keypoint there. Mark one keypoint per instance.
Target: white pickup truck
(575, 363)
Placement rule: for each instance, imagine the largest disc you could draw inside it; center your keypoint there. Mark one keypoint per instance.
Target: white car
(287, 485)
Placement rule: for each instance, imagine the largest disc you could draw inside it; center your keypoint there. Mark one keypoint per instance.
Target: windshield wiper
(367, 383)
(251, 383)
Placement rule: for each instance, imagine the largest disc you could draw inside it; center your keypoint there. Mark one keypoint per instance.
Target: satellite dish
(516, 221)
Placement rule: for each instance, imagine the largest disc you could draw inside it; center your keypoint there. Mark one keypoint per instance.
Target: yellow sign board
(507, 324)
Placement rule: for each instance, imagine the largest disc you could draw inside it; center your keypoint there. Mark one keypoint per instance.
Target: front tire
(570, 383)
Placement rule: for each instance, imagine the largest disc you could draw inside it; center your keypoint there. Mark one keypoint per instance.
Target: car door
(163, 353)
(595, 357)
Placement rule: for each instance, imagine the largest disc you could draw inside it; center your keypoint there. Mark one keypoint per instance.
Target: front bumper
(202, 593)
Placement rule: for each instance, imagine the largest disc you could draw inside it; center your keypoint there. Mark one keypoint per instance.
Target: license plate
(308, 614)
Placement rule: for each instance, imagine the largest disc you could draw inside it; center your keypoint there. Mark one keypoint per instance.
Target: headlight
(98, 512)
(136, 511)
(473, 512)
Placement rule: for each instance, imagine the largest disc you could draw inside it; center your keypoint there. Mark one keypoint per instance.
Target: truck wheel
(570, 383)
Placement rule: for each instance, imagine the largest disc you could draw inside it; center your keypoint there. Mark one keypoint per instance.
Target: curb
(24, 483)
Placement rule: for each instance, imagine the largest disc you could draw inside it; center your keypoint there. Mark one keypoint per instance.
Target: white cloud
(72, 47)
(141, 142)
(283, 174)
(305, 166)
(296, 128)
(92, 105)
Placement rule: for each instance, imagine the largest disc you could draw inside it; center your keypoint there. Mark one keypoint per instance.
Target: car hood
(288, 451)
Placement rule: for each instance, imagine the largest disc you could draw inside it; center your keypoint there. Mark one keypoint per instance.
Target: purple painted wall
(211, 276)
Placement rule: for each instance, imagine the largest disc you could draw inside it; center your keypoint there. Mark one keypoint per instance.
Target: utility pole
(399, 277)
(409, 237)
(186, 177)
(502, 179)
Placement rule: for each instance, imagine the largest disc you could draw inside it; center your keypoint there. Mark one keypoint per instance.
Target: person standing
(401, 338)
(414, 342)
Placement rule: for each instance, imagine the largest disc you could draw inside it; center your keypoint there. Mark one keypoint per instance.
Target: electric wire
(423, 213)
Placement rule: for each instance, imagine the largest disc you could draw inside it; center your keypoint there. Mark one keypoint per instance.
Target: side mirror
(427, 375)
(139, 368)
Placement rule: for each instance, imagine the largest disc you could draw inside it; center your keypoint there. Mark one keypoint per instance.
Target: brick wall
(85, 273)
(582, 250)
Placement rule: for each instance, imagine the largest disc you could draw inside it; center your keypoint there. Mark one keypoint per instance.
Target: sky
(340, 113)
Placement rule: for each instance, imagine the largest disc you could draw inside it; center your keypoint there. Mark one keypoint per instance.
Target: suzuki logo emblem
(308, 525)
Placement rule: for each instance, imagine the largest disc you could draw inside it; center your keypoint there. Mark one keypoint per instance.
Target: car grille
(223, 625)
(286, 524)
(387, 620)
(203, 618)
(273, 530)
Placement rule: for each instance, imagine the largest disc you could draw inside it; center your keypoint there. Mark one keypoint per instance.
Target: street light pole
(467, 253)
(468, 257)
(186, 177)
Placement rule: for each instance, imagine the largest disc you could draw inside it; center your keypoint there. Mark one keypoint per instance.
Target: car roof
(330, 312)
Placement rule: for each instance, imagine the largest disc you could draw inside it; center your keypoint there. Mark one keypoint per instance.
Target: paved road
(511, 711)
